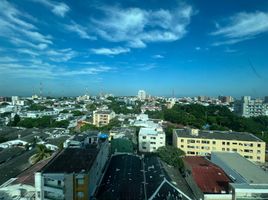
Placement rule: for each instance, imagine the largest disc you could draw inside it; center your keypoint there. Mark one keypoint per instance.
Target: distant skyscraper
(141, 95)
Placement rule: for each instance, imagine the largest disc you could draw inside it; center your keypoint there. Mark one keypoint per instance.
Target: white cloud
(110, 51)
(13, 24)
(80, 30)
(58, 8)
(242, 26)
(60, 55)
(87, 71)
(197, 48)
(158, 56)
(137, 26)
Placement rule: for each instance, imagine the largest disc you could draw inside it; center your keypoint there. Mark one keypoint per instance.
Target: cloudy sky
(194, 47)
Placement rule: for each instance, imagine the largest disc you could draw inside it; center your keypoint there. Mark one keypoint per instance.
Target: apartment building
(150, 139)
(141, 95)
(202, 143)
(102, 117)
(73, 174)
(248, 107)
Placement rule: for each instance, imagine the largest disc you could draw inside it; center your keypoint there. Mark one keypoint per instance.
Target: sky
(194, 47)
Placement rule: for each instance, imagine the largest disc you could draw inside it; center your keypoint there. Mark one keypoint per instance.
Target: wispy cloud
(147, 67)
(80, 30)
(240, 27)
(137, 26)
(110, 51)
(15, 24)
(58, 8)
(158, 56)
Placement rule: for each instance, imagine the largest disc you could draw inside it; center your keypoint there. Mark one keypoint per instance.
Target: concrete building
(226, 99)
(249, 180)
(73, 174)
(150, 139)
(102, 117)
(201, 142)
(248, 107)
(141, 95)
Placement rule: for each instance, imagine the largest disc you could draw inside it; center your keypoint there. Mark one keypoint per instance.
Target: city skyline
(193, 48)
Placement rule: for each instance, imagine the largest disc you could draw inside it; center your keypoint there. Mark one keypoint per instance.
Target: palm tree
(42, 153)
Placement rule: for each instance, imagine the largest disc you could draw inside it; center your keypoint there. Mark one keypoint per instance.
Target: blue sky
(194, 47)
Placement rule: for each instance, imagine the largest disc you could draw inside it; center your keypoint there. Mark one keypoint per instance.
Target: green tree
(42, 152)
(16, 120)
(172, 156)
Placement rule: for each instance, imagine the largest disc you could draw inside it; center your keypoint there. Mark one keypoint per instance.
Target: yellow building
(102, 117)
(202, 142)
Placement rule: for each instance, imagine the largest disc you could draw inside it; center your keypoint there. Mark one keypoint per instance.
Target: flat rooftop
(210, 178)
(72, 160)
(149, 131)
(218, 135)
(252, 173)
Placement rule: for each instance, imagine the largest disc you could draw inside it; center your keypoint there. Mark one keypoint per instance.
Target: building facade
(196, 142)
(102, 117)
(248, 107)
(74, 173)
(141, 95)
(151, 139)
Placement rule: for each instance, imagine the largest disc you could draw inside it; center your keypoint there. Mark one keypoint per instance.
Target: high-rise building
(248, 107)
(141, 95)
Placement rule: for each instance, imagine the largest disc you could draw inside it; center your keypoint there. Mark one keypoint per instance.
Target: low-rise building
(150, 139)
(102, 117)
(249, 180)
(206, 180)
(201, 142)
(73, 174)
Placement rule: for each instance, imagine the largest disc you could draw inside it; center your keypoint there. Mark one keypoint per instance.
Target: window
(223, 149)
(182, 146)
(144, 148)
(258, 151)
(80, 195)
(214, 142)
(223, 143)
(258, 157)
(59, 183)
(153, 138)
(143, 137)
(154, 147)
(259, 145)
(80, 181)
(182, 140)
(228, 143)
(152, 142)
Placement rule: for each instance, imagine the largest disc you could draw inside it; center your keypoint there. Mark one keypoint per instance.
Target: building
(249, 180)
(102, 117)
(150, 139)
(141, 95)
(127, 179)
(201, 142)
(248, 107)
(226, 99)
(206, 180)
(73, 174)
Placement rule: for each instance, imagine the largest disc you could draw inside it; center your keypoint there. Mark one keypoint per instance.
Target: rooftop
(210, 178)
(149, 131)
(67, 161)
(103, 112)
(218, 135)
(251, 173)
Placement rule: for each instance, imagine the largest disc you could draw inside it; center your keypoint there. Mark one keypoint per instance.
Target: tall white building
(248, 107)
(141, 95)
